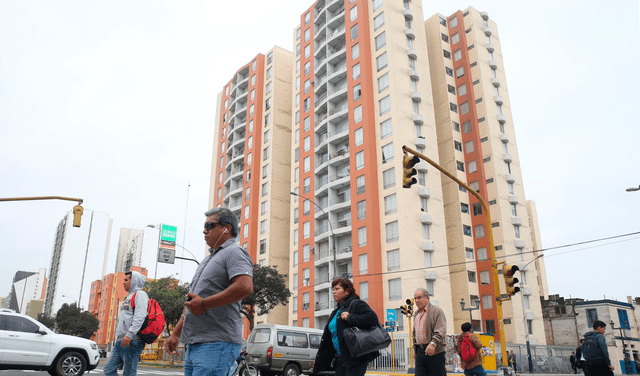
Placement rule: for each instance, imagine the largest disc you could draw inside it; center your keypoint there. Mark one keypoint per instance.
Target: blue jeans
(475, 371)
(210, 359)
(127, 356)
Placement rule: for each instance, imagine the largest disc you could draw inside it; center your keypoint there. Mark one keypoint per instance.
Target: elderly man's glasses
(211, 225)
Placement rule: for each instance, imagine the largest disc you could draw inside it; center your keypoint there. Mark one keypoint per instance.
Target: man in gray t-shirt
(211, 325)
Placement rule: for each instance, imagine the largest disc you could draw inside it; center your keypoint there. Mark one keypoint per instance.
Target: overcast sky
(114, 102)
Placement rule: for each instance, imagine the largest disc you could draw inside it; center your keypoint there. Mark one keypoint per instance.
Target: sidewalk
(402, 372)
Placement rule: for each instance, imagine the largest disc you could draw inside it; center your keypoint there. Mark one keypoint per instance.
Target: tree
(48, 321)
(269, 290)
(75, 321)
(171, 297)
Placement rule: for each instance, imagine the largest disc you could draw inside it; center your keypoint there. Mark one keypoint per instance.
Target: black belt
(421, 345)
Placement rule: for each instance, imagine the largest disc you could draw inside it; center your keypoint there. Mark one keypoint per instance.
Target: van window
(314, 339)
(260, 335)
(291, 339)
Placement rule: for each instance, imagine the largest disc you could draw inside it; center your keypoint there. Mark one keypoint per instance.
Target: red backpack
(154, 322)
(467, 350)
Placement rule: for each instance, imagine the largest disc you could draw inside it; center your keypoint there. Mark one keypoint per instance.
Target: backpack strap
(133, 300)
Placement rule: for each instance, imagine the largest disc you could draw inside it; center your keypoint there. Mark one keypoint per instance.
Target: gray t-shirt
(213, 275)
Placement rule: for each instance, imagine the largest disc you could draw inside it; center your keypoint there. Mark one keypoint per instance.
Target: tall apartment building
(79, 255)
(129, 249)
(362, 91)
(476, 141)
(27, 286)
(251, 159)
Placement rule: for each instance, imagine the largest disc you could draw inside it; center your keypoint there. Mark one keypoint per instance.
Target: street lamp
(475, 305)
(633, 189)
(333, 235)
(524, 316)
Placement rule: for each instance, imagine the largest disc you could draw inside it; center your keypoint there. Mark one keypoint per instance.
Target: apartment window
(425, 231)
(457, 55)
(253, 80)
(219, 192)
(357, 114)
(355, 51)
(296, 174)
(377, 4)
(457, 145)
(381, 61)
(412, 63)
(453, 22)
(455, 38)
(307, 143)
(362, 236)
(355, 71)
(424, 204)
(466, 127)
(357, 92)
(514, 210)
(360, 184)
(472, 167)
(307, 164)
(456, 126)
(269, 72)
(354, 31)
(485, 277)
(267, 120)
(265, 189)
(395, 289)
(385, 105)
(464, 208)
(592, 315)
(305, 282)
(364, 291)
(427, 260)
(390, 204)
(459, 72)
(393, 260)
(482, 254)
(471, 276)
(468, 253)
(444, 37)
(530, 326)
(353, 13)
(307, 123)
(378, 21)
(362, 210)
(306, 254)
(381, 40)
(307, 18)
(359, 160)
(245, 230)
(487, 301)
(295, 237)
(358, 136)
(263, 246)
(389, 178)
(477, 209)
(387, 153)
(466, 230)
(363, 265)
(307, 51)
(448, 71)
(460, 166)
(391, 230)
(510, 186)
(306, 206)
(516, 229)
(386, 129)
(383, 82)
(479, 231)
(247, 193)
(446, 54)
(306, 230)
(263, 207)
(307, 86)
(453, 107)
(249, 157)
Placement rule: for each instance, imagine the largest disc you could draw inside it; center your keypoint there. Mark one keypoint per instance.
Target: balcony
(420, 142)
(502, 119)
(493, 64)
(507, 157)
(510, 178)
(504, 138)
(426, 219)
(489, 47)
(487, 31)
(520, 244)
(414, 74)
(416, 96)
(428, 246)
(498, 100)
(418, 119)
(495, 81)
(422, 167)
(516, 221)
(408, 14)
(410, 33)
(424, 192)
(412, 53)
(485, 15)
(513, 199)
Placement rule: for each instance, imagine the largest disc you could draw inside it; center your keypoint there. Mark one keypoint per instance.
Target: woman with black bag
(333, 353)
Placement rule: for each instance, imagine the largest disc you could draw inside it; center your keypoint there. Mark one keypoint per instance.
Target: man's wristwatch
(433, 343)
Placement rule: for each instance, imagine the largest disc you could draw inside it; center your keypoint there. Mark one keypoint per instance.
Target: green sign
(168, 233)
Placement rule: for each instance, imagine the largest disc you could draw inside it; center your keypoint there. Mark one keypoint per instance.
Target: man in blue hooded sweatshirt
(128, 344)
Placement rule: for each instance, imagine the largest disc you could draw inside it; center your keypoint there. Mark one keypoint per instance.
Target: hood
(137, 281)
(590, 334)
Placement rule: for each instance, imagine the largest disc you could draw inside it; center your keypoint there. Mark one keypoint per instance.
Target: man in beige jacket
(471, 367)
(429, 332)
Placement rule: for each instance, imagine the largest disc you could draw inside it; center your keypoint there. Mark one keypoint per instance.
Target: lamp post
(474, 307)
(333, 235)
(67, 296)
(524, 316)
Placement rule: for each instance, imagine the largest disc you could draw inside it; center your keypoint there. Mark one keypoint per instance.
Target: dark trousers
(597, 370)
(429, 365)
(350, 368)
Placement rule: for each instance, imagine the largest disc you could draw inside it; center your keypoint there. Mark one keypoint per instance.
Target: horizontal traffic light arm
(77, 210)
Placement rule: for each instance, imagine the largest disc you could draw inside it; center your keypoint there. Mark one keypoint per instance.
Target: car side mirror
(43, 332)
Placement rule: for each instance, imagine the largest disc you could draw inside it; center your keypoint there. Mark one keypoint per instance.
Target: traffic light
(509, 271)
(77, 215)
(404, 310)
(408, 161)
(410, 307)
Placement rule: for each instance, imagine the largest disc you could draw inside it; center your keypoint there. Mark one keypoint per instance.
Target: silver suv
(26, 343)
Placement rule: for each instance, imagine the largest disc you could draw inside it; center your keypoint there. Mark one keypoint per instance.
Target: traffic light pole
(77, 210)
(494, 264)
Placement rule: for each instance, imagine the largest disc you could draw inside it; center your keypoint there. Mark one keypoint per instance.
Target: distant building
(129, 249)
(27, 286)
(104, 303)
(35, 307)
(567, 320)
(79, 255)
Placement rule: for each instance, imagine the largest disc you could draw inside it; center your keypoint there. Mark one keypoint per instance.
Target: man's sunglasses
(211, 225)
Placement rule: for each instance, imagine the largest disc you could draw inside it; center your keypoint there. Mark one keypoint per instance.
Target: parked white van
(281, 349)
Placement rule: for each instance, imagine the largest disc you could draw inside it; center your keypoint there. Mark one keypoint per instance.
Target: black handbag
(364, 341)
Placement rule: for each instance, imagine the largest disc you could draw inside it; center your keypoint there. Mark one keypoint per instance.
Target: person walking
(580, 361)
(595, 352)
(211, 324)
(128, 346)
(573, 361)
(350, 312)
(472, 367)
(429, 333)
(511, 358)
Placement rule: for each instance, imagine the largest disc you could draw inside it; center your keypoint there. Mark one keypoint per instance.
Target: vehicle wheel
(248, 370)
(291, 370)
(71, 364)
(52, 372)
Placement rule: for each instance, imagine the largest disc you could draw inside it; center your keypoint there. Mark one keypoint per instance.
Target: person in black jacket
(333, 353)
